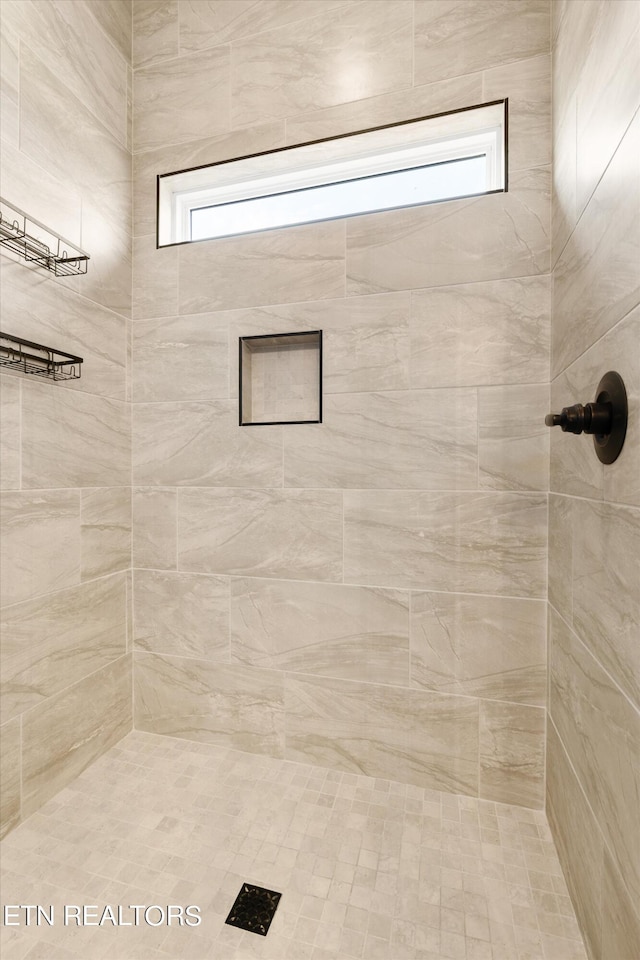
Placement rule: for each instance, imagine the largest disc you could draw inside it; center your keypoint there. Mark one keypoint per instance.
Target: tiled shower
(429, 596)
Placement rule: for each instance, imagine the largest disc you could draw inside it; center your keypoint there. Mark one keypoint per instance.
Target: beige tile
(453, 39)
(564, 213)
(9, 433)
(574, 467)
(105, 530)
(527, 84)
(204, 25)
(154, 527)
(50, 199)
(608, 92)
(296, 263)
(601, 732)
(182, 99)
(577, 839)
(491, 647)
(231, 705)
(182, 614)
(201, 444)
(155, 31)
(620, 920)
(10, 84)
(109, 276)
(365, 340)
(606, 588)
(10, 776)
(513, 441)
(596, 278)
(40, 543)
(114, 16)
(412, 736)
(58, 132)
(470, 542)
(66, 733)
(362, 114)
(292, 534)
(353, 633)
(155, 280)
(53, 315)
(561, 525)
(181, 358)
(314, 63)
(495, 332)
(54, 641)
(455, 241)
(416, 439)
(512, 743)
(149, 165)
(66, 37)
(72, 439)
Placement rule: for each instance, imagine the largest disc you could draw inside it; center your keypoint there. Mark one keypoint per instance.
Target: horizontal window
(449, 156)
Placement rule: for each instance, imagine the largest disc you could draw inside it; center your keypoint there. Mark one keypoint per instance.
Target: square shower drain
(253, 909)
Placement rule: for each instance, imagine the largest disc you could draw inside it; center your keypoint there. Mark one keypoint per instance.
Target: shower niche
(280, 378)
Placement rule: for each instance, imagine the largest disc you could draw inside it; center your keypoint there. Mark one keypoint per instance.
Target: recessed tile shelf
(281, 378)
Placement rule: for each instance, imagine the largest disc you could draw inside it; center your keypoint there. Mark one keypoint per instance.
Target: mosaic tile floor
(368, 869)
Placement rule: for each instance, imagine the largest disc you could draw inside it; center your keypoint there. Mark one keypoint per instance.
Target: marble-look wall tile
(296, 263)
(58, 132)
(620, 918)
(574, 467)
(314, 63)
(606, 588)
(155, 31)
(109, 276)
(72, 439)
(69, 40)
(365, 340)
(561, 524)
(527, 84)
(416, 737)
(362, 114)
(608, 92)
(10, 84)
(578, 842)
(181, 99)
(66, 733)
(495, 332)
(513, 440)
(155, 280)
(181, 358)
(354, 633)
(52, 314)
(105, 531)
(512, 743)
(453, 39)
(53, 641)
(454, 541)
(564, 204)
(9, 433)
(596, 278)
(154, 527)
(286, 534)
(40, 543)
(201, 444)
(491, 647)
(458, 241)
(182, 614)
(231, 705)
(415, 439)
(114, 16)
(204, 25)
(600, 729)
(10, 775)
(149, 165)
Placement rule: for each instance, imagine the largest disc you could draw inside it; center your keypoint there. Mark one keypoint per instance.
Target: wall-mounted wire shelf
(38, 360)
(36, 243)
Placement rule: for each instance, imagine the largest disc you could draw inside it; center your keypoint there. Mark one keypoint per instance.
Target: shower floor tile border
(369, 869)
